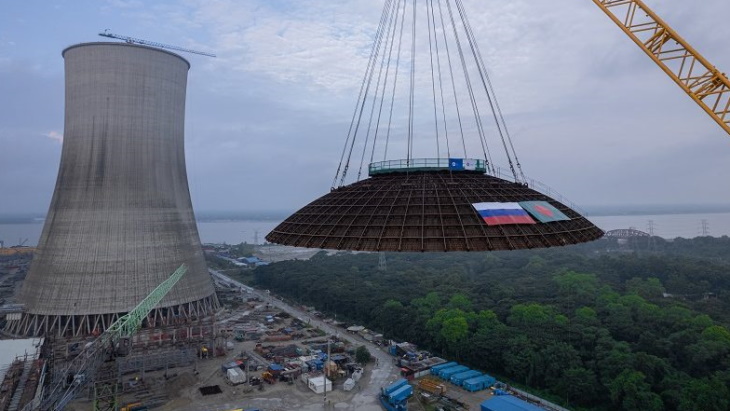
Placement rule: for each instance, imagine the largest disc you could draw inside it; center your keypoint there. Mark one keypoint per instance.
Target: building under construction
(121, 219)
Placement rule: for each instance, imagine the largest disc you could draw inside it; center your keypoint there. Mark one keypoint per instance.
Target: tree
(461, 302)
(578, 386)
(362, 355)
(631, 392)
(707, 395)
(577, 287)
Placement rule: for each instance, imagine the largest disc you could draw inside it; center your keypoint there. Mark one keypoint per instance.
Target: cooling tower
(121, 220)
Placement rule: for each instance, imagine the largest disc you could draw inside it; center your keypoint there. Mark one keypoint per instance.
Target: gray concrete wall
(121, 219)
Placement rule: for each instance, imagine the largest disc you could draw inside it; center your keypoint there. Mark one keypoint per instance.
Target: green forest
(641, 325)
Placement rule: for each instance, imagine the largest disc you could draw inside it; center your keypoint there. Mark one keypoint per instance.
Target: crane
(704, 83)
(85, 366)
(132, 40)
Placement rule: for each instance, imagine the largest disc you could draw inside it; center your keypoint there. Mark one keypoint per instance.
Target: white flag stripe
(497, 206)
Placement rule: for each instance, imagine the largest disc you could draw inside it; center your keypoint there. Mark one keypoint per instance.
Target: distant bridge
(626, 233)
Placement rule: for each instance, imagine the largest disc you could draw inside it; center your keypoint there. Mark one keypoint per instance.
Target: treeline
(590, 326)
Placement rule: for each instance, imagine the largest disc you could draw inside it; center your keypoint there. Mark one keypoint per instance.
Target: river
(253, 231)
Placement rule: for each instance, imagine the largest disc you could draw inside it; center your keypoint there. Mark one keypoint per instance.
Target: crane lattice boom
(689, 69)
(133, 40)
(85, 365)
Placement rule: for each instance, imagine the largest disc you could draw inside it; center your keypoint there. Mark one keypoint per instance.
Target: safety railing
(466, 164)
(422, 164)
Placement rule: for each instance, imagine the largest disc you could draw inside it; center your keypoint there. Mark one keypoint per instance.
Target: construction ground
(182, 367)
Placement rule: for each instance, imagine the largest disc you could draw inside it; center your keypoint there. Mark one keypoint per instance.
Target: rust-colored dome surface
(426, 211)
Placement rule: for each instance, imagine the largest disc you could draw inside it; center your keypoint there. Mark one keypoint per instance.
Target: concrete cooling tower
(121, 220)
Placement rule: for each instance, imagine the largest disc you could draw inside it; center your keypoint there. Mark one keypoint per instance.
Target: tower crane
(83, 368)
(133, 40)
(704, 83)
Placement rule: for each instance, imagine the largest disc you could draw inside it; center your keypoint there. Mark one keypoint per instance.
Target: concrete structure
(121, 220)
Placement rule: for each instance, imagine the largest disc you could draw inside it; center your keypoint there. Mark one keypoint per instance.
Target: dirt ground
(179, 388)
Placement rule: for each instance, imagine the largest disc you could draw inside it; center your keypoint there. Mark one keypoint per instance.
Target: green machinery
(88, 366)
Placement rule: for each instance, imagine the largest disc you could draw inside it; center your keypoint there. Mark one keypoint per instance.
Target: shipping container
(458, 379)
(435, 369)
(508, 402)
(446, 373)
(479, 383)
(395, 386)
(401, 394)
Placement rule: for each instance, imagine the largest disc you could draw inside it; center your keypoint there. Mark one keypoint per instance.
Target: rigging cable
(395, 80)
(490, 96)
(413, 86)
(483, 67)
(441, 81)
(375, 100)
(361, 103)
(470, 88)
(451, 74)
(391, 42)
(433, 80)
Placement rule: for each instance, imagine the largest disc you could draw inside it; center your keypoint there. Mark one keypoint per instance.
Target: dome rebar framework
(426, 211)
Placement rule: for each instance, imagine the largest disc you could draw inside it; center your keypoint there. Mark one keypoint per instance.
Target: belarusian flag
(543, 211)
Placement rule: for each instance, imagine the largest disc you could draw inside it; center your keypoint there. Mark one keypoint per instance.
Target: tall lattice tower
(121, 219)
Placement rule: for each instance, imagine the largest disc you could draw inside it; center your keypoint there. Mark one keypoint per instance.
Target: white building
(316, 384)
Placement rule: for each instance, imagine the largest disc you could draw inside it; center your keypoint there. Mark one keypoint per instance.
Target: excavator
(692, 72)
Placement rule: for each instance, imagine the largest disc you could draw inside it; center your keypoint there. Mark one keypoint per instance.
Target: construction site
(116, 308)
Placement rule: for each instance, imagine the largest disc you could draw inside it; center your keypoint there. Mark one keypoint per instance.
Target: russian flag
(503, 213)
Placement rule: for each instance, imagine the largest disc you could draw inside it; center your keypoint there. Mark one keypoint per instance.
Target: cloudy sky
(590, 114)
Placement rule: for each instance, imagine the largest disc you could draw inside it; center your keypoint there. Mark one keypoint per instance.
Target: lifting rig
(707, 86)
(133, 40)
(89, 365)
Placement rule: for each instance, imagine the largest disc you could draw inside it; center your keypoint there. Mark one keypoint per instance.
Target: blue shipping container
(508, 403)
(401, 394)
(395, 386)
(448, 372)
(436, 368)
(479, 383)
(458, 379)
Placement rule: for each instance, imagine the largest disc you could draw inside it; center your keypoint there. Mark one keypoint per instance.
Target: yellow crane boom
(689, 69)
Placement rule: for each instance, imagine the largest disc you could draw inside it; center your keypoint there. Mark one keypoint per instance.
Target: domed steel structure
(427, 210)
(444, 200)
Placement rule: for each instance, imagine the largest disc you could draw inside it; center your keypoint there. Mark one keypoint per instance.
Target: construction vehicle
(87, 366)
(268, 377)
(702, 81)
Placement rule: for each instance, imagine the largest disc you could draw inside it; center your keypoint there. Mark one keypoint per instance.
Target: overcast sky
(591, 116)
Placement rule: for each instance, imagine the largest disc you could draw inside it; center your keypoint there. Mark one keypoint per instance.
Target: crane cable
(391, 29)
(376, 97)
(359, 106)
(489, 89)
